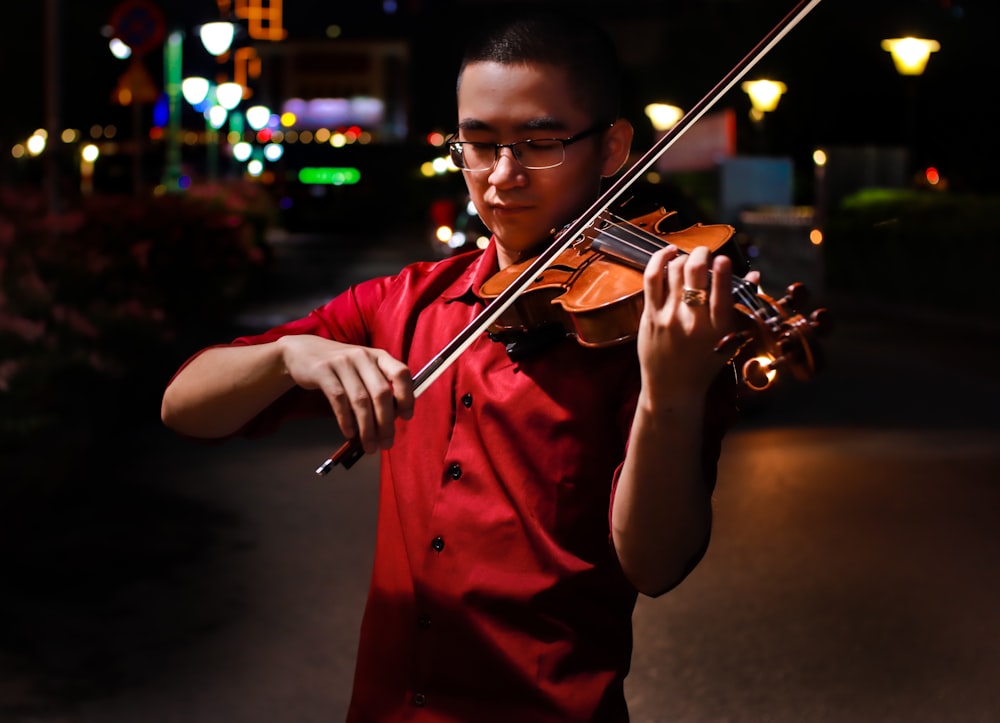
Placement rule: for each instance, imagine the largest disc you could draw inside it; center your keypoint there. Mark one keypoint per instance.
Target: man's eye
(543, 145)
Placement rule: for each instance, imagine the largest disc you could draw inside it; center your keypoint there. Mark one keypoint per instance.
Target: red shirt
(496, 594)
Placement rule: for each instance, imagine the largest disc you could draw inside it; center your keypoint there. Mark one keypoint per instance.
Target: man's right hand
(220, 390)
(367, 388)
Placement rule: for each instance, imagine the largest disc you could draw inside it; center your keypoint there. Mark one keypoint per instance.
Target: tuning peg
(796, 296)
(731, 344)
(759, 372)
(821, 321)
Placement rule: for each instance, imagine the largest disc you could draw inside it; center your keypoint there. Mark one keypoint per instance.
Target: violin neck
(636, 247)
(631, 253)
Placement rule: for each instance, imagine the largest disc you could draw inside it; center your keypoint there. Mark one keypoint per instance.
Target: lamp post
(910, 56)
(216, 38)
(764, 96)
(172, 55)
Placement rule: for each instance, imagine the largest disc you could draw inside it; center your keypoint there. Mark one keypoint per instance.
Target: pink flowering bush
(93, 301)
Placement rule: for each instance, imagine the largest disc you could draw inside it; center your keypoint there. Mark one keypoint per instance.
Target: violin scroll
(776, 336)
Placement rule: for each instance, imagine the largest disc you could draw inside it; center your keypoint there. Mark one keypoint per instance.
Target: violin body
(597, 301)
(594, 288)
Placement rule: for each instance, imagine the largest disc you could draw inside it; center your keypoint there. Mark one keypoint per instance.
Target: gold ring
(694, 297)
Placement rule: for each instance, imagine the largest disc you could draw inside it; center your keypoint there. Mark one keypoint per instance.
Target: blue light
(161, 110)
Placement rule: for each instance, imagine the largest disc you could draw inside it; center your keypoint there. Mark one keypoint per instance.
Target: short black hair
(574, 42)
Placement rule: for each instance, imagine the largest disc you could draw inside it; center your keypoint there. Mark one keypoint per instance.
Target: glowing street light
(663, 116)
(217, 37)
(258, 116)
(216, 116)
(764, 95)
(242, 151)
(88, 155)
(195, 90)
(229, 95)
(37, 141)
(119, 49)
(910, 54)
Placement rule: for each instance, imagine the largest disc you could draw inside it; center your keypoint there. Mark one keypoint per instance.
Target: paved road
(854, 574)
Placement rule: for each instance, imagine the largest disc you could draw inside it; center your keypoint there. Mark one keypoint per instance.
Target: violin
(594, 290)
(774, 327)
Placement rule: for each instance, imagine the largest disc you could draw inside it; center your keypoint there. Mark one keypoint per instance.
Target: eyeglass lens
(532, 154)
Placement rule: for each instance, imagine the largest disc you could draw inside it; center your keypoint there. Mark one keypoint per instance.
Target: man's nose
(507, 164)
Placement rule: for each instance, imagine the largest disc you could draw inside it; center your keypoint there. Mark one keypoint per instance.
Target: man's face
(507, 103)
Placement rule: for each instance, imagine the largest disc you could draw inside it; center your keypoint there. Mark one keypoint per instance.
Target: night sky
(843, 88)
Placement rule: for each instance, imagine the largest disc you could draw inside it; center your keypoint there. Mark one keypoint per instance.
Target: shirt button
(438, 543)
(455, 470)
(419, 699)
(424, 622)
(466, 400)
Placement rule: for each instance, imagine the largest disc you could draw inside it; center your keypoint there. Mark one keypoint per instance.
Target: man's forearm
(662, 510)
(223, 388)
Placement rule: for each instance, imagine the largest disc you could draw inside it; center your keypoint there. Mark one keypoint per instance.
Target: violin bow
(350, 451)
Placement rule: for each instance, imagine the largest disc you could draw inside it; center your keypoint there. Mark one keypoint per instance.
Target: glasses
(534, 154)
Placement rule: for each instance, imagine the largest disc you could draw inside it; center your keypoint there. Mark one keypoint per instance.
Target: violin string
(645, 242)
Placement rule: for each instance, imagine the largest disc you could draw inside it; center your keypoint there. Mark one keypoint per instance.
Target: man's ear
(617, 144)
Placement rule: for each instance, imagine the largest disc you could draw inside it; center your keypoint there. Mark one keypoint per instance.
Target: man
(527, 497)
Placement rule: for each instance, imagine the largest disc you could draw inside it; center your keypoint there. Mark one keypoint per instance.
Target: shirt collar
(477, 274)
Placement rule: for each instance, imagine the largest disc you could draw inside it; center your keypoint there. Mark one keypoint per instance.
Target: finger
(380, 399)
(654, 278)
(401, 380)
(344, 390)
(721, 293)
(675, 276)
(696, 272)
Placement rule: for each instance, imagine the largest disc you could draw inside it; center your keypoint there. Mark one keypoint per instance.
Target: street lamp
(258, 116)
(229, 95)
(910, 54)
(663, 116)
(764, 96)
(195, 90)
(217, 37)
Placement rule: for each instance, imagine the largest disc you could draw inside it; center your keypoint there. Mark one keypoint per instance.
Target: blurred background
(153, 152)
(173, 173)
(369, 86)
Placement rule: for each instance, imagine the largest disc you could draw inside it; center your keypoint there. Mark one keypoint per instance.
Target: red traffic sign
(139, 24)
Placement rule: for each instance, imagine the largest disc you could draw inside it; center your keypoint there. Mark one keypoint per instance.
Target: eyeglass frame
(497, 147)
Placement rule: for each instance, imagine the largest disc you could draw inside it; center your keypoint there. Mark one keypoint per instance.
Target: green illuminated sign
(331, 176)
